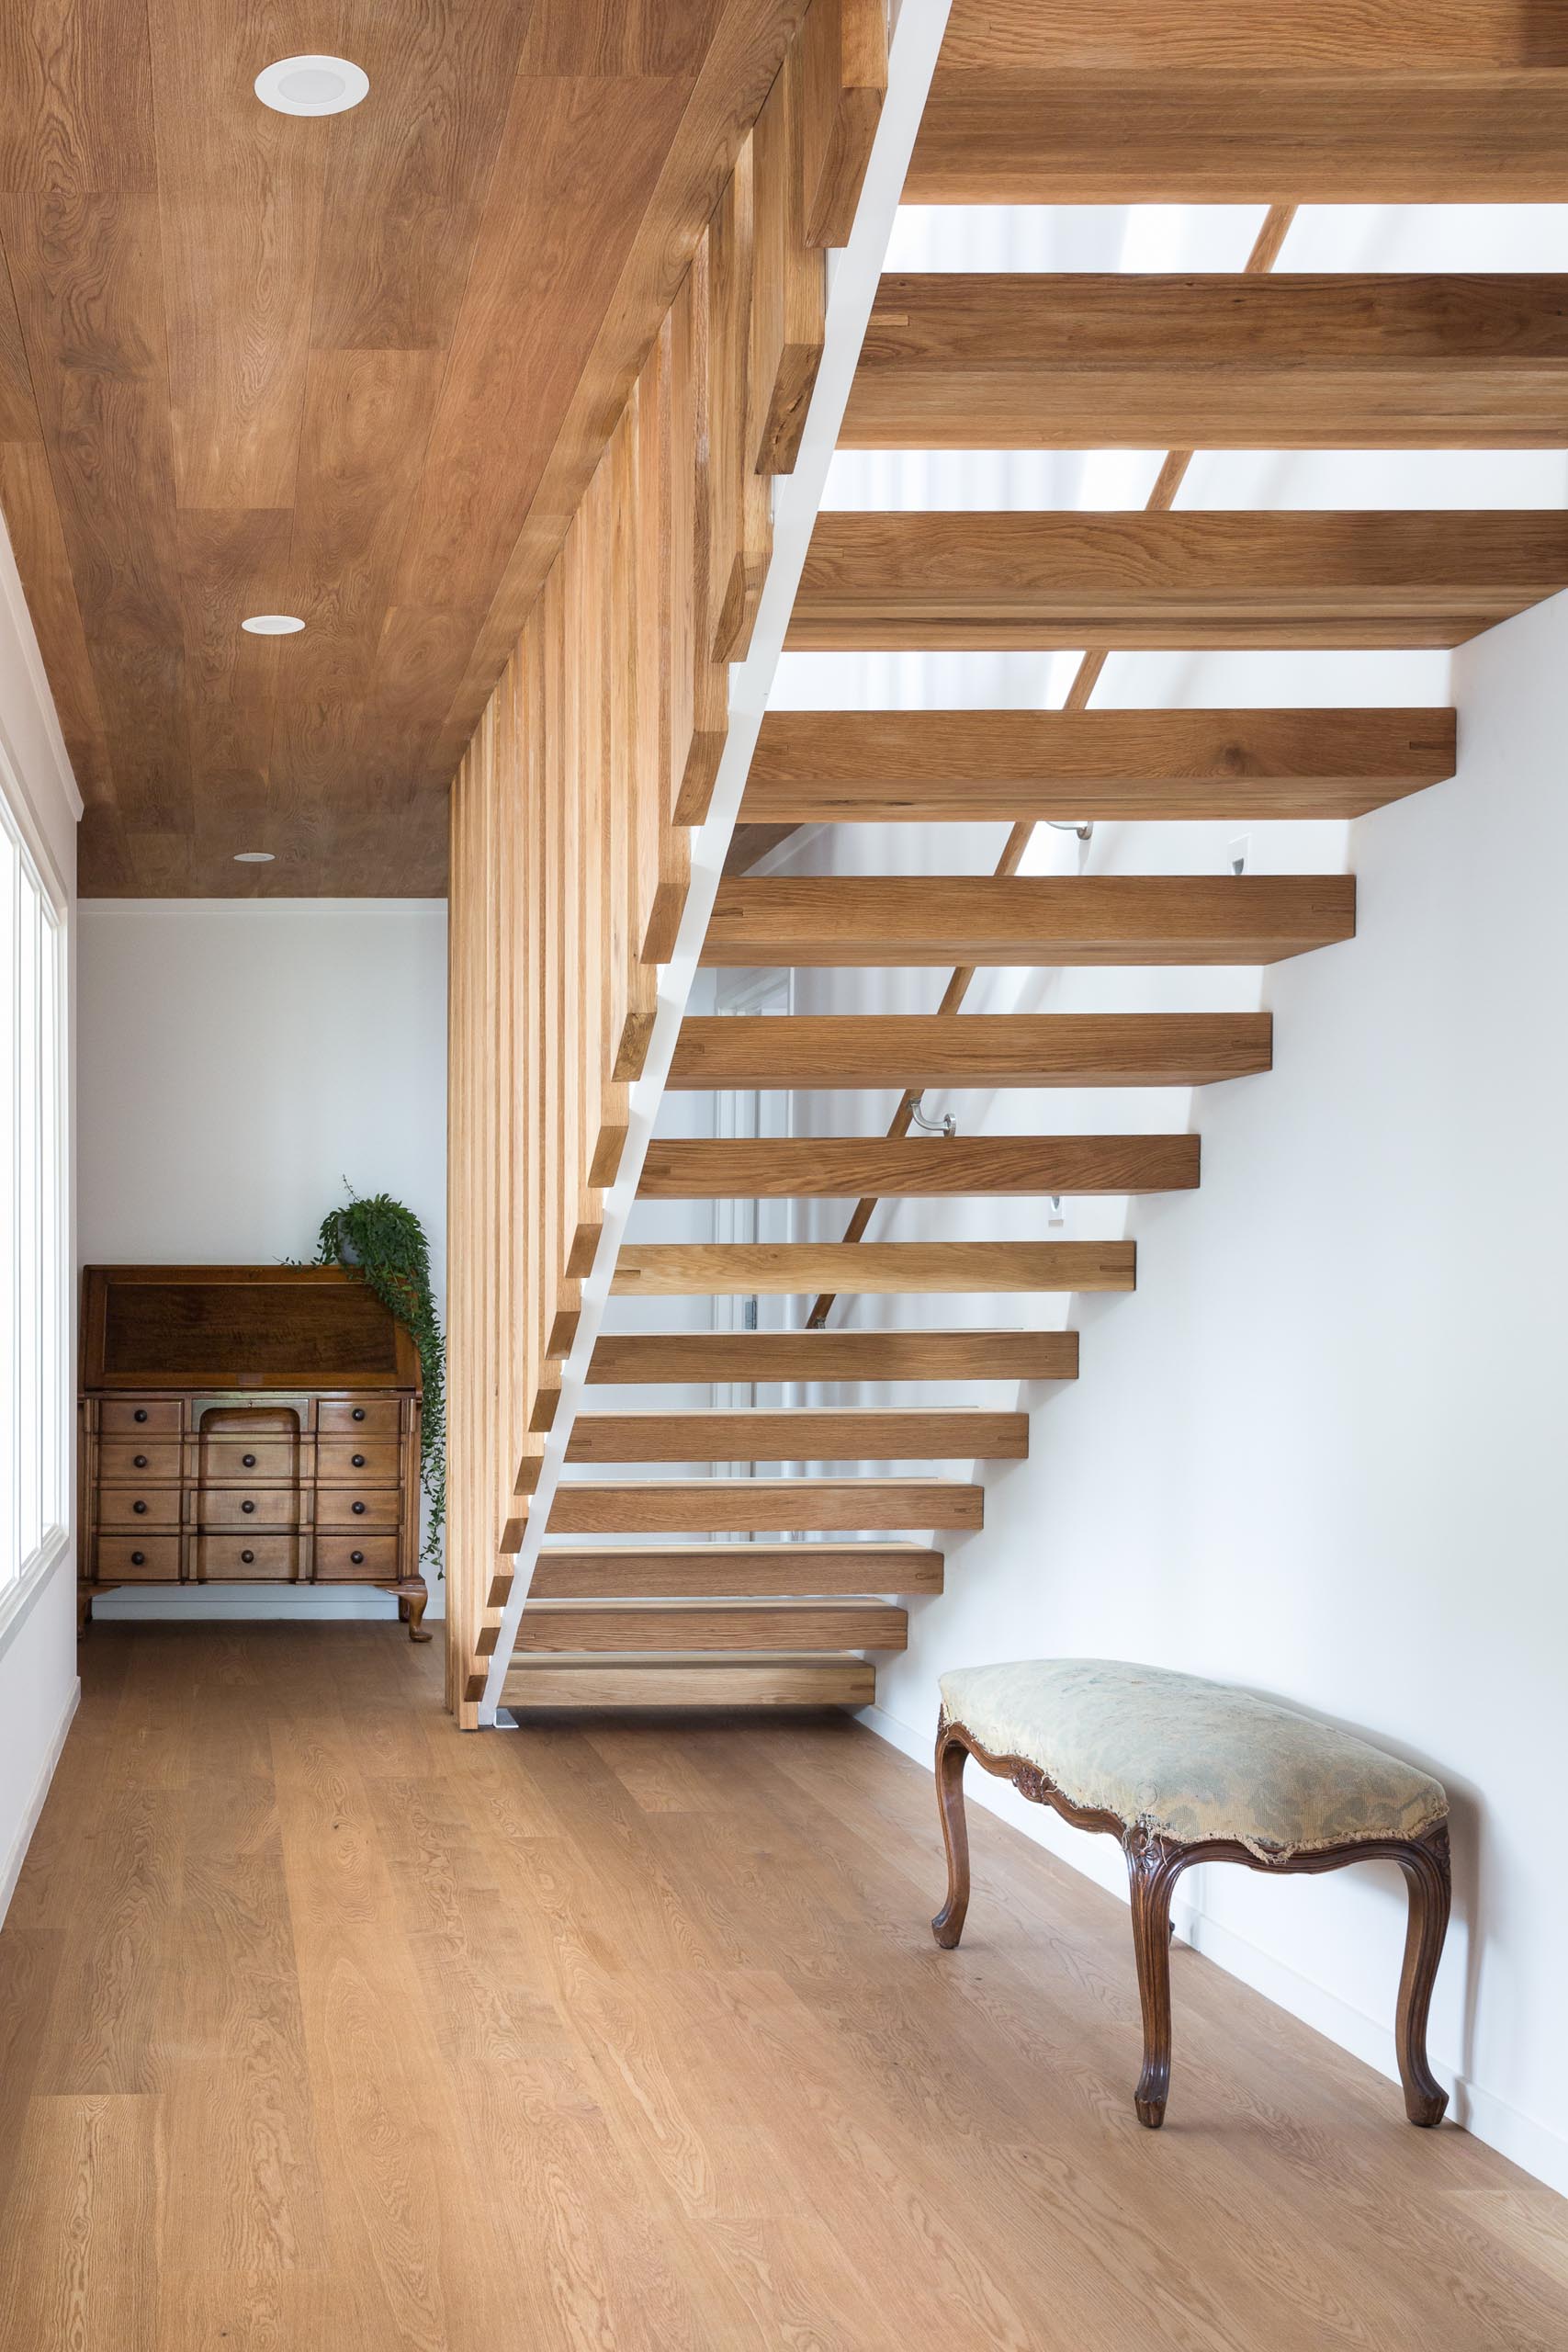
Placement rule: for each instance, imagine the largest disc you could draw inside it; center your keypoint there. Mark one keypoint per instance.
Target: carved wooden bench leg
(951, 1756)
(1153, 1869)
(1428, 1878)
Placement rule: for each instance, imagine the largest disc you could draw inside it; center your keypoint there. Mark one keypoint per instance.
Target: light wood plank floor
(325, 2027)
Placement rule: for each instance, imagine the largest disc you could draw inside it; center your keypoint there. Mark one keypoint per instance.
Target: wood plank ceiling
(356, 368)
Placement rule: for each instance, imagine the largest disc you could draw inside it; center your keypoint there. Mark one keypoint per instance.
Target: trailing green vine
(383, 1243)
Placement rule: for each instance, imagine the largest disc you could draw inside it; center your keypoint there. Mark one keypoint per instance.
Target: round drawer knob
(247, 1507)
(359, 1462)
(247, 1557)
(249, 1460)
(359, 1412)
(139, 1559)
(357, 1558)
(359, 1511)
(141, 1463)
(141, 1412)
(140, 1509)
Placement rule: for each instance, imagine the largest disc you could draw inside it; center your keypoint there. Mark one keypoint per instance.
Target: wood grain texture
(800, 1433)
(845, 60)
(978, 1355)
(697, 1625)
(691, 1269)
(837, 920)
(621, 2034)
(1223, 361)
(891, 766)
(1223, 35)
(731, 1682)
(841, 1167)
(569, 858)
(764, 1506)
(1040, 579)
(641, 1571)
(361, 370)
(1144, 134)
(848, 1049)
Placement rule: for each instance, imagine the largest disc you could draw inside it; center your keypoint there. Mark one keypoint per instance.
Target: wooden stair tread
(978, 1049)
(764, 1506)
(1298, 360)
(663, 1571)
(881, 766)
(1147, 133)
(1215, 34)
(844, 1167)
(645, 1357)
(800, 1433)
(703, 1682)
(688, 1270)
(860, 1622)
(1362, 578)
(823, 921)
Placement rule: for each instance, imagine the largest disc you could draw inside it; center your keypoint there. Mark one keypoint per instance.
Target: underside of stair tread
(799, 1433)
(786, 1269)
(1040, 579)
(659, 1571)
(837, 920)
(1146, 133)
(1459, 36)
(762, 1506)
(744, 1681)
(641, 1357)
(822, 1624)
(845, 1165)
(980, 1049)
(888, 766)
(1299, 360)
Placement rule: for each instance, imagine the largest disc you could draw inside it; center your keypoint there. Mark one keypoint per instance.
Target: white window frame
(36, 1352)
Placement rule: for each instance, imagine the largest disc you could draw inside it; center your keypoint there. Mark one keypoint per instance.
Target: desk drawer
(343, 1507)
(253, 1462)
(135, 1461)
(234, 1509)
(344, 1559)
(375, 1416)
(139, 1417)
(358, 1462)
(135, 1508)
(241, 1559)
(139, 1559)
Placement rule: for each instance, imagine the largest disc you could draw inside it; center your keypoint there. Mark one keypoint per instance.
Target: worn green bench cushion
(1191, 1759)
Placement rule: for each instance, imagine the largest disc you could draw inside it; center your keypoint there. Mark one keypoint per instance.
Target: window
(34, 1298)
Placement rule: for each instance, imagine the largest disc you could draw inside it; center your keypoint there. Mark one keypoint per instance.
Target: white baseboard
(12, 1870)
(1532, 2145)
(247, 1601)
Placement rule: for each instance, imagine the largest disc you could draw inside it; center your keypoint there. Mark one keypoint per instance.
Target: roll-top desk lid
(254, 1328)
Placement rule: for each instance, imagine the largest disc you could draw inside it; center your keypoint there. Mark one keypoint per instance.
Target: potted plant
(382, 1243)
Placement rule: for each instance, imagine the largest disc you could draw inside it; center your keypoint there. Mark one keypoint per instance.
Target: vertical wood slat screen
(570, 852)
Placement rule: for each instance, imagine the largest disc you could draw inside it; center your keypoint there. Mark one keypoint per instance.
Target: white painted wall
(240, 1058)
(1317, 1452)
(39, 1689)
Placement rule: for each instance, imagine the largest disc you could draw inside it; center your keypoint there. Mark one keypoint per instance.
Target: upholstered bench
(1183, 1770)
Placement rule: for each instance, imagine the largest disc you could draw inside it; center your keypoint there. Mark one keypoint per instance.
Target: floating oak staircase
(677, 1590)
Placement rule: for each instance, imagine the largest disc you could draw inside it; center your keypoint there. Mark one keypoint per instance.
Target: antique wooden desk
(247, 1424)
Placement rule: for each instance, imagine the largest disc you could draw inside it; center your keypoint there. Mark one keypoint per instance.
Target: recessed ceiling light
(272, 625)
(311, 85)
(253, 857)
